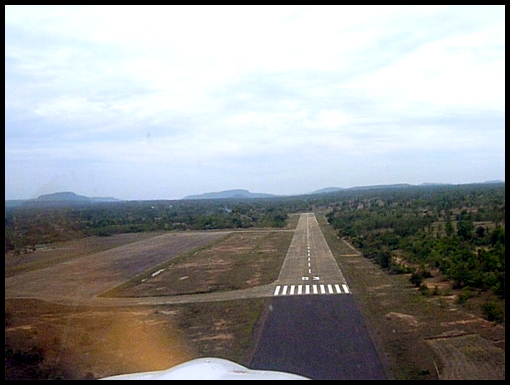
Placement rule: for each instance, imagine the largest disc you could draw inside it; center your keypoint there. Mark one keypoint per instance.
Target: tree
(480, 232)
(464, 229)
(492, 312)
(448, 227)
(416, 278)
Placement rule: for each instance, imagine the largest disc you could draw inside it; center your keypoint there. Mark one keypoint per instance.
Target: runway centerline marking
(291, 279)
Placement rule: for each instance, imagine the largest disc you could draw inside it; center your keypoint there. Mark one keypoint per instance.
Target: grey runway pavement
(309, 266)
(309, 329)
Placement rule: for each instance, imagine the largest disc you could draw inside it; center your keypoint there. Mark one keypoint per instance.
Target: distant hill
(328, 190)
(231, 194)
(382, 186)
(59, 198)
(434, 184)
(494, 181)
(72, 197)
(62, 196)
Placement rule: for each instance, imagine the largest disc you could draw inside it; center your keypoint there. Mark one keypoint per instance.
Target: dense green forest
(459, 230)
(28, 226)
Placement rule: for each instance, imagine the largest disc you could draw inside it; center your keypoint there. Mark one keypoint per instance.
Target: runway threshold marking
(327, 289)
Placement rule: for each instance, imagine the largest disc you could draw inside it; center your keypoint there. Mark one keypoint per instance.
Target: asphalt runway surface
(312, 326)
(319, 337)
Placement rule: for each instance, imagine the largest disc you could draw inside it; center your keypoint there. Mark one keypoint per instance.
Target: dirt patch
(292, 221)
(51, 254)
(380, 287)
(469, 357)
(240, 261)
(80, 279)
(405, 319)
(216, 337)
(46, 341)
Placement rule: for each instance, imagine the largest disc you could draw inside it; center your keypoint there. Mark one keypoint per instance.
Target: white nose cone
(208, 369)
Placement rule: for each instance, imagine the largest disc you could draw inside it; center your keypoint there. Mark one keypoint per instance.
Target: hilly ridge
(70, 198)
(230, 194)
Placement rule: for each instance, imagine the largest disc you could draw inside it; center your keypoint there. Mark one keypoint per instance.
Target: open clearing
(68, 338)
(242, 260)
(78, 280)
(49, 341)
(469, 356)
(47, 255)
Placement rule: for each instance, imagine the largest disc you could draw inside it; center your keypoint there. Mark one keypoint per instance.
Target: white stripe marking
(309, 271)
(314, 289)
(299, 289)
(307, 289)
(277, 290)
(337, 287)
(157, 272)
(330, 288)
(346, 289)
(323, 289)
(291, 290)
(284, 290)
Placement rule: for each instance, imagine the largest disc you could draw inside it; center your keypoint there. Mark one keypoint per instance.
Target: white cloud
(459, 72)
(178, 86)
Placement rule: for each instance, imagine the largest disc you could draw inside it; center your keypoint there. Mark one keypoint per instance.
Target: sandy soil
(80, 279)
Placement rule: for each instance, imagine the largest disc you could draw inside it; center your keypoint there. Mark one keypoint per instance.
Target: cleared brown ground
(74, 340)
(240, 261)
(78, 280)
(48, 341)
(419, 337)
(469, 357)
(47, 255)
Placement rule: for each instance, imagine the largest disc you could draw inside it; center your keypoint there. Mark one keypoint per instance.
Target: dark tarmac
(318, 337)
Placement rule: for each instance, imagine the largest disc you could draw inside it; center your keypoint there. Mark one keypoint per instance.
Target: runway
(312, 326)
(309, 266)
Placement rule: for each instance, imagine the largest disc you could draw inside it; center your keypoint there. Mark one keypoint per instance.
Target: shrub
(492, 312)
(424, 290)
(416, 278)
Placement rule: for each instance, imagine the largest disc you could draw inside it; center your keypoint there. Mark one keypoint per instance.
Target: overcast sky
(159, 102)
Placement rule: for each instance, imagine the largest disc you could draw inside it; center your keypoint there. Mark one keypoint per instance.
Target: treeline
(26, 227)
(460, 231)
